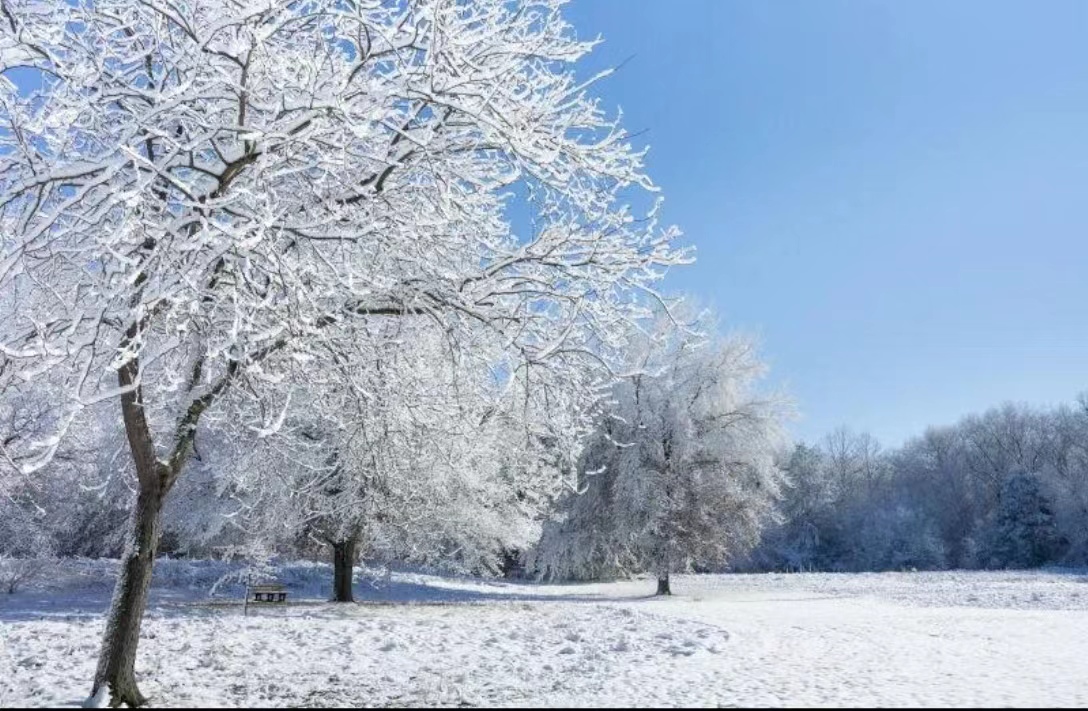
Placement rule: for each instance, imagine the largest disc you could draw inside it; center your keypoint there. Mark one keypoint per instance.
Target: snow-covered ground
(1012, 639)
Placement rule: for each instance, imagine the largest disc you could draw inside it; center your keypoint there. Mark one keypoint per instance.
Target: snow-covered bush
(18, 572)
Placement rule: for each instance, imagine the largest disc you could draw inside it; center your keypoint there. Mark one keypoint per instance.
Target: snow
(99, 700)
(891, 639)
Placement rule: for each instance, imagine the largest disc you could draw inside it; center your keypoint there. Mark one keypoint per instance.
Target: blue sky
(893, 195)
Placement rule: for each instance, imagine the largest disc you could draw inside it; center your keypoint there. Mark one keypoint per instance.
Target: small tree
(25, 541)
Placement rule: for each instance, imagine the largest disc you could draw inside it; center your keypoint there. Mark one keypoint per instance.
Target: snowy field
(990, 639)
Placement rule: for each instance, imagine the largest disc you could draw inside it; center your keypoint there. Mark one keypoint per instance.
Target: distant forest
(1004, 489)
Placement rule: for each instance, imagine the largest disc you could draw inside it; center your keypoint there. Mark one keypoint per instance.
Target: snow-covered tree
(421, 454)
(76, 504)
(1023, 534)
(795, 541)
(1067, 476)
(200, 197)
(681, 471)
(24, 531)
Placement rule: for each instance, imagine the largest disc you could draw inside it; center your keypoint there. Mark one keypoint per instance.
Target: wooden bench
(272, 592)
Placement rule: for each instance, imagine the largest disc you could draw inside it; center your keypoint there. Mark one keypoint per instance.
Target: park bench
(271, 592)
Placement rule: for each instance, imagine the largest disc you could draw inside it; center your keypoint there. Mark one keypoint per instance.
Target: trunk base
(663, 586)
(115, 696)
(115, 677)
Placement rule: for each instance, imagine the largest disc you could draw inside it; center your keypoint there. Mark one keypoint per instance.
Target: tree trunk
(343, 569)
(115, 677)
(511, 563)
(663, 585)
(116, 674)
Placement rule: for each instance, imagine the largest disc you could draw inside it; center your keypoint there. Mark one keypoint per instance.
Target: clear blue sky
(893, 194)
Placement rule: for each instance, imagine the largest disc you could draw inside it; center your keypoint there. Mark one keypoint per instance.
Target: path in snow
(1016, 639)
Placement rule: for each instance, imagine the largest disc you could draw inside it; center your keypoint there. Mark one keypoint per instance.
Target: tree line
(1007, 488)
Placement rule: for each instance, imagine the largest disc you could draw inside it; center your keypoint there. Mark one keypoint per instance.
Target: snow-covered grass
(1015, 638)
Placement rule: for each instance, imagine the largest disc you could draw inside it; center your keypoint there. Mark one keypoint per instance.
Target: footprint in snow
(680, 651)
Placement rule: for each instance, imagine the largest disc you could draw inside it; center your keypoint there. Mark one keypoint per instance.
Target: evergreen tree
(1024, 534)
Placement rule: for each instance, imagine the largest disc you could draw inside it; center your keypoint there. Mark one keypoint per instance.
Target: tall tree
(197, 196)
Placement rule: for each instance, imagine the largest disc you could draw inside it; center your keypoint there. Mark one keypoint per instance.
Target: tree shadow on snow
(69, 605)
(422, 593)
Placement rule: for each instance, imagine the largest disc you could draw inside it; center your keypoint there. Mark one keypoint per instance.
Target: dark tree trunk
(116, 671)
(117, 660)
(663, 585)
(343, 570)
(511, 563)
(115, 676)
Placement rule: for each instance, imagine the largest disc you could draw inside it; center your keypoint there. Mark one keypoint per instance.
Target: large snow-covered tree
(420, 454)
(202, 195)
(682, 471)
